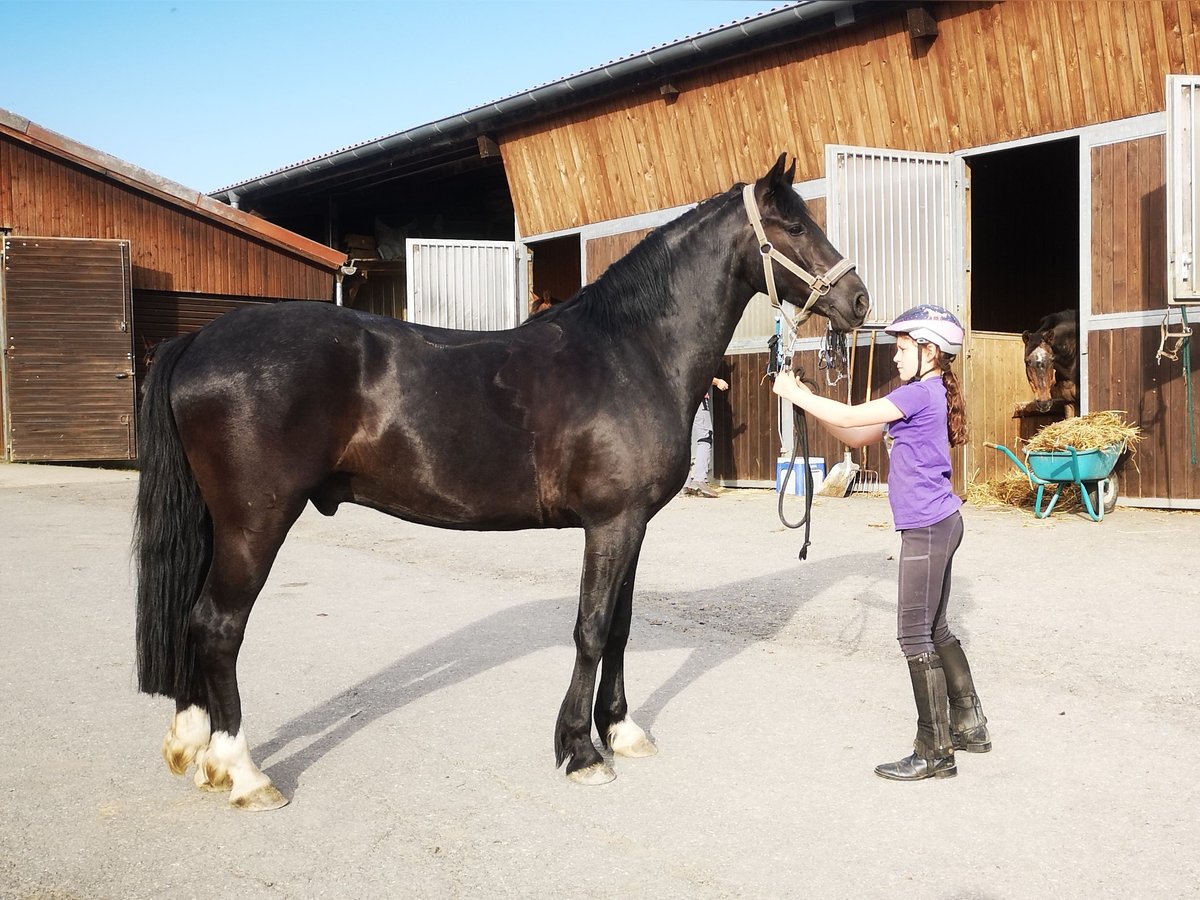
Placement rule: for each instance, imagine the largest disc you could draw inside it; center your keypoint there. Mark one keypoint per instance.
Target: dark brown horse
(1052, 360)
(578, 418)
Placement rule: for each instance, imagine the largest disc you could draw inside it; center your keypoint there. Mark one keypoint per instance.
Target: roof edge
(573, 90)
(32, 134)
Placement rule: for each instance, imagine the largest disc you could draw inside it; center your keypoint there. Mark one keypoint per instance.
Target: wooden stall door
(68, 350)
(995, 385)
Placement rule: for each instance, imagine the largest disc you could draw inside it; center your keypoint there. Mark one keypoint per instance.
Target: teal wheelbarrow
(1090, 470)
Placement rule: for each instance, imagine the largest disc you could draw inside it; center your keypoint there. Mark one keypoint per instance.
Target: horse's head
(1039, 367)
(797, 259)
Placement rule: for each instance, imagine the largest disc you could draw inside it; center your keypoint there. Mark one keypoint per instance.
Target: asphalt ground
(401, 685)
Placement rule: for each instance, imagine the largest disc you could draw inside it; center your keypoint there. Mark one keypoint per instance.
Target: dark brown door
(68, 350)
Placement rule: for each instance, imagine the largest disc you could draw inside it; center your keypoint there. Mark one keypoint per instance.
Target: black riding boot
(968, 725)
(933, 755)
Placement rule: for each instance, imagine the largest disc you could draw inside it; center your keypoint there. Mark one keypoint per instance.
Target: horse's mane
(633, 291)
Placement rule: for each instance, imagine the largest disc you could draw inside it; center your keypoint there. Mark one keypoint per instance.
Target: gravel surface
(401, 686)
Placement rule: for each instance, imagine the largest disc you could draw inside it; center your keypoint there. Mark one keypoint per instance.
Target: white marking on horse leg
(186, 738)
(627, 739)
(596, 773)
(228, 762)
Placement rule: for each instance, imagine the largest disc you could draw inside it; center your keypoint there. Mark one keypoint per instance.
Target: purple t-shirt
(919, 486)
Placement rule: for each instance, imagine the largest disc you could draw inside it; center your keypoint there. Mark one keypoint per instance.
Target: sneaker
(699, 489)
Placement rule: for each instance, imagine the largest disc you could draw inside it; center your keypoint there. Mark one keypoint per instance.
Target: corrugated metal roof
(31, 133)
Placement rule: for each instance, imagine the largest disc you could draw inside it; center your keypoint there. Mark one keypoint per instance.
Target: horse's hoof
(178, 755)
(260, 799)
(626, 738)
(596, 773)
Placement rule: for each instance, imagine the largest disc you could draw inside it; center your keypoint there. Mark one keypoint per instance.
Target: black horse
(578, 418)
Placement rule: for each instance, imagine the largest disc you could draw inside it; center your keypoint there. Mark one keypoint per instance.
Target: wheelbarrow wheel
(1103, 493)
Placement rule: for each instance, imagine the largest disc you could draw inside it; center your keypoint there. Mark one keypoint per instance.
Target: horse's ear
(776, 174)
(777, 178)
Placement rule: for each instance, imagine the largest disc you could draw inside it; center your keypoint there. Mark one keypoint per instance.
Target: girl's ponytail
(956, 413)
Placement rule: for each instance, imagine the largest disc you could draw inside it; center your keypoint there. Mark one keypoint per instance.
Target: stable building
(99, 261)
(1004, 159)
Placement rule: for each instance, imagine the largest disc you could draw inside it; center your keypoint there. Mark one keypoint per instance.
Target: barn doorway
(1024, 234)
(555, 270)
(1024, 252)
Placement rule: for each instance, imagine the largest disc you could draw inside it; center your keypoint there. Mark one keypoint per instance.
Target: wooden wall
(603, 252)
(996, 72)
(1125, 376)
(173, 250)
(1129, 238)
(1129, 276)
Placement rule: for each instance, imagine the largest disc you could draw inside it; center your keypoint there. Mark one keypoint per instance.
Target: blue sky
(209, 93)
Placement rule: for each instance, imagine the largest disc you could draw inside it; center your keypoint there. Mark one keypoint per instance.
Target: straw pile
(1014, 489)
(1094, 431)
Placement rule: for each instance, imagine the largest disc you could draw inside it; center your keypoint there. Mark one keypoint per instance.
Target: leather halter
(820, 284)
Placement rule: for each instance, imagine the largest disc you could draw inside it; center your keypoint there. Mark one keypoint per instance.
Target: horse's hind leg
(610, 551)
(242, 556)
(618, 731)
(188, 735)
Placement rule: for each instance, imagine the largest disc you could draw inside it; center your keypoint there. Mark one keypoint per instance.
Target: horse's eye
(795, 230)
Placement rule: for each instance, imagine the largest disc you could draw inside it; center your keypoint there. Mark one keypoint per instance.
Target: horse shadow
(714, 631)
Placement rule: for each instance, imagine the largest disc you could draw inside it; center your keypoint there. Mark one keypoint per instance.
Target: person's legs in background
(702, 440)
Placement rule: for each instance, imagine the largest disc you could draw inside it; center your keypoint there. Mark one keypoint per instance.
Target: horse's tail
(172, 539)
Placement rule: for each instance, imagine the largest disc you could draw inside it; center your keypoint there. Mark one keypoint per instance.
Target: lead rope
(1182, 347)
(800, 430)
(1187, 377)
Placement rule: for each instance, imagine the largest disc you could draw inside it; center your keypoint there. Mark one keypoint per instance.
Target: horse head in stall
(578, 418)
(1052, 359)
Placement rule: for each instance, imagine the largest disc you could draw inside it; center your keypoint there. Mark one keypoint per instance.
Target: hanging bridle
(820, 284)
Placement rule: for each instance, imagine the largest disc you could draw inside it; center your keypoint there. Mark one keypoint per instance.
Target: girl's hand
(788, 386)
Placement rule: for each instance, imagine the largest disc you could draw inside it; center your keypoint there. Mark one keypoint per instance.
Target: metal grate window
(1183, 198)
(463, 284)
(898, 215)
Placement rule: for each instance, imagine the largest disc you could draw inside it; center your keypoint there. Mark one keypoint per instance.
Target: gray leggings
(926, 556)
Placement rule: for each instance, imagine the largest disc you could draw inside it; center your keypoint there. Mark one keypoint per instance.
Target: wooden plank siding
(173, 249)
(996, 72)
(1125, 376)
(1129, 276)
(994, 375)
(604, 251)
(159, 316)
(1129, 239)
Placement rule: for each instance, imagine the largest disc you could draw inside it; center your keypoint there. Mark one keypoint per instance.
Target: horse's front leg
(609, 552)
(618, 731)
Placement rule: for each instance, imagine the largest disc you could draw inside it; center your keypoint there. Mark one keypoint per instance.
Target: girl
(922, 419)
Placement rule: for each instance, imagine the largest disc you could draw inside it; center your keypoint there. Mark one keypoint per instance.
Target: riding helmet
(928, 324)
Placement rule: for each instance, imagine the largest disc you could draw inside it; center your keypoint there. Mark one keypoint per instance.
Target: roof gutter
(571, 91)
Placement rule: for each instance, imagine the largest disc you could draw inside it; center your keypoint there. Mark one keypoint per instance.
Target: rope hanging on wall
(1181, 347)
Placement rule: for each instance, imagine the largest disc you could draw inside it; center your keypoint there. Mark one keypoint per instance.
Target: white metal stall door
(463, 284)
(1183, 188)
(899, 216)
